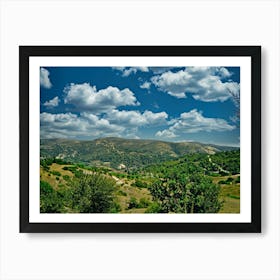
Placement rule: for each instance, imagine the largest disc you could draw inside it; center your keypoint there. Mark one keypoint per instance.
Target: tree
(50, 202)
(93, 194)
(189, 194)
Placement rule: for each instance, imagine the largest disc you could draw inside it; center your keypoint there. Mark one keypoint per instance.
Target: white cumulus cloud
(203, 83)
(87, 98)
(68, 125)
(44, 78)
(52, 103)
(136, 118)
(146, 85)
(192, 122)
(126, 71)
(166, 134)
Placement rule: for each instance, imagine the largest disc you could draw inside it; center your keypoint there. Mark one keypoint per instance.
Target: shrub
(49, 200)
(133, 203)
(144, 203)
(153, 208)
(78, 173)
(139, 184)
(116, 208)
(93, 193)
(70, 168)
(66, 177)
(122, 193)
(56, 173)
(222, 182)
(229, 180)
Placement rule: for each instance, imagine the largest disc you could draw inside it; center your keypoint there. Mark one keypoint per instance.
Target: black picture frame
(254, 52)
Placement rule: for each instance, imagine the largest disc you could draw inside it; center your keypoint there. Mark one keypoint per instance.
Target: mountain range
(122, 153)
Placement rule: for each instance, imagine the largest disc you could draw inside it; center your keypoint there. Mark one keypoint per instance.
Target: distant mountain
(122, 153)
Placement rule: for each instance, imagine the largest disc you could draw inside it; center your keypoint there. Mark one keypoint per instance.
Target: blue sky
(163, 103)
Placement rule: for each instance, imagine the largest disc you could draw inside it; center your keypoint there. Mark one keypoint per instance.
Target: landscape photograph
(140, 140)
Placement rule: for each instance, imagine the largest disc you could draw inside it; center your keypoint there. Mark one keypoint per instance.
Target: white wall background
(139, 256)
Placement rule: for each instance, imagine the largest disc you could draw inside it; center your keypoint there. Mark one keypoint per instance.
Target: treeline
(219, 164)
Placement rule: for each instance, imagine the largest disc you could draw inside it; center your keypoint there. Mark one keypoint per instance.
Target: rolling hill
(122, 153)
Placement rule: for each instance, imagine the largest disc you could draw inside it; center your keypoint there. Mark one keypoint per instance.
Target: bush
(116, 208)
(49, 199)
(144, 203)
(153, 208)
(237, 180)
(139, 184)
(66, 177)
(222, 182)
(59, 161)
(122, 193)
(93, 194)
(133, 203)
(230, 180)
(56, 173)
(70, 168)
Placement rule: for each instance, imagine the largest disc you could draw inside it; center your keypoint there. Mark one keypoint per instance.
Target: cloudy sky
(163, 103)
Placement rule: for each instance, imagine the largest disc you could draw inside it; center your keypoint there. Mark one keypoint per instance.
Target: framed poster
(140, 138)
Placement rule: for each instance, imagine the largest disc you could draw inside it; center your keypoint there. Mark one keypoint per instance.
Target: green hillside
(129, 153)
(194, 183)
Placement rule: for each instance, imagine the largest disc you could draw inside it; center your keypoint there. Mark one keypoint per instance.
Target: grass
(131, 192)
(230, 194)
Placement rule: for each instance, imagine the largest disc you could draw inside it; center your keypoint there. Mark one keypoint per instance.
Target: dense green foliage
(93, 194)
(50, 200)
(185, 185)
(86, 194)
(219, 164)
(193, 194)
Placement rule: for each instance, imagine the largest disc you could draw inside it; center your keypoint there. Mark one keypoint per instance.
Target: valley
(114, 175)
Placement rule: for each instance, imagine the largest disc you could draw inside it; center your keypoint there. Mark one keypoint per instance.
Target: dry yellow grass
(51, 178)
(229, 194)
(131, 192)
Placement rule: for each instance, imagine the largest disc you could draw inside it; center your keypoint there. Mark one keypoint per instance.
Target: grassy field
(230, 194)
